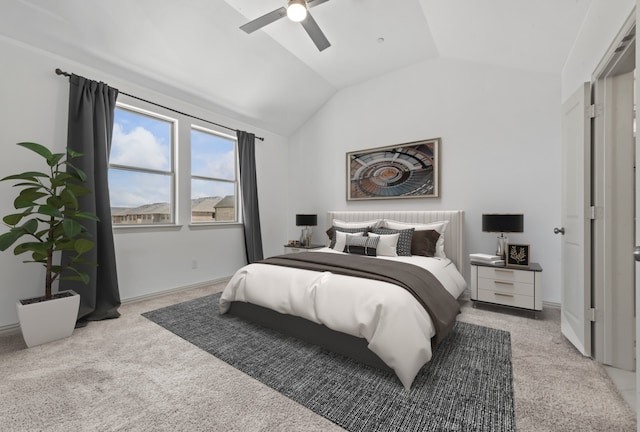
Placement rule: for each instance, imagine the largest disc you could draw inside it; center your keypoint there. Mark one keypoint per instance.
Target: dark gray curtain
(249, 186)
(90, 128)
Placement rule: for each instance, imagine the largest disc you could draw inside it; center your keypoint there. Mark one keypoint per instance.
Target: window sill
(146, 228)
(200, 226)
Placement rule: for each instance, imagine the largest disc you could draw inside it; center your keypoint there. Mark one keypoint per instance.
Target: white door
(576, 162)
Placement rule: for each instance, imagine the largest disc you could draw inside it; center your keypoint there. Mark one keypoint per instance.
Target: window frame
(173, 173)
(235, 181)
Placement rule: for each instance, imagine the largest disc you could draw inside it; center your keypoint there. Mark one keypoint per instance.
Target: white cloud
(138, 148)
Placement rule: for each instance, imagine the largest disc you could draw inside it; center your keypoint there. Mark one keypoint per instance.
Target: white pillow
(341, 240)
(440, 227)
(387, 244)
(375, 223)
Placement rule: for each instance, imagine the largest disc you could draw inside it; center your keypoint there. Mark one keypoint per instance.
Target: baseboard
(16, 327)
(550, 305)
(9, 329)
(174, 290)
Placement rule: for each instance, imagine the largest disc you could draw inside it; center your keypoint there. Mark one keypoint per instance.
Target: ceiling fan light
(297, 10)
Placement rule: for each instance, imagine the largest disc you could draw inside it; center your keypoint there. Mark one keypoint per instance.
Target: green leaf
(28, 195)
(55, 202)
(31, 194)
(39, 257)
(49, 211)
(35, 247)
(20, 204)
(65, 245)
(55, 159)
(29, 175)
(71, 227)
(86, 215)
(73, 154)
(83, 246)
(30, 226)
(78, 190)
(38, 148)
(61, 178)
(9, 238)
(69, 198)
(81, 276)
(82, 176)
(14, 219)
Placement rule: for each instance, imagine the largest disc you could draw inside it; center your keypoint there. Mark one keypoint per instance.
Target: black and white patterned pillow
(361, 245)
(404, 240)
(331, 233)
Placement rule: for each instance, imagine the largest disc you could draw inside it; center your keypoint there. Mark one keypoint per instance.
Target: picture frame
(517, 255)
(409, 170)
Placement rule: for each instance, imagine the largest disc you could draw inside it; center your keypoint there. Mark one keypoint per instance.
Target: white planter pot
(49, 320)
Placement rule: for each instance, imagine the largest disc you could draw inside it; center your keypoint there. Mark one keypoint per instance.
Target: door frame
(613, 332)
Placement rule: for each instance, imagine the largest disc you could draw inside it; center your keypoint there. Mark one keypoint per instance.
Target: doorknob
(561, 231)
(636, 253)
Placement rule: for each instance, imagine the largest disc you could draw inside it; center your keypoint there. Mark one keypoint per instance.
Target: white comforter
(397, 327)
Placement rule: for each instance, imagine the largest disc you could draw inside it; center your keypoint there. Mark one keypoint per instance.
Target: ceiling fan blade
(313, 3)
(313, 30)
(258, 23)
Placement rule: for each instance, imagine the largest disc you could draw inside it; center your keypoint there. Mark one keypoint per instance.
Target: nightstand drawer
(505, 286)
(515, 300)
(506, 274)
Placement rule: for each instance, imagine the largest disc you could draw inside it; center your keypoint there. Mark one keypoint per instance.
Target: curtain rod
(61, 72)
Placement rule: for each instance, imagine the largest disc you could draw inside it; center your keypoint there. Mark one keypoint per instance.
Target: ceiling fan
(297, 11)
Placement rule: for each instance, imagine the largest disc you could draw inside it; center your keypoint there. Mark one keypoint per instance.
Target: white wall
(34, 108)
(500, 131)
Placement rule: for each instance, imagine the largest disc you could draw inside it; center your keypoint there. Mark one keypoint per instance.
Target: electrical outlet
(194, 264)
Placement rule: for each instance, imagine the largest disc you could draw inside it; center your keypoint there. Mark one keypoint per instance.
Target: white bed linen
(397, 327)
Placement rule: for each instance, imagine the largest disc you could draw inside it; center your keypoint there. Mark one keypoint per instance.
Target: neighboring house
(145, 214)
(206, 209)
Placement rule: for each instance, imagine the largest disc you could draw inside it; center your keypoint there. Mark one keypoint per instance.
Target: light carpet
(467, 386)
(129, 374)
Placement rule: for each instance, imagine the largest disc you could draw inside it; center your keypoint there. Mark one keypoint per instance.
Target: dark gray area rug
(467, 386)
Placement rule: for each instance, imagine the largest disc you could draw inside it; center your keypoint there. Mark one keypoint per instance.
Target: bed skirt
(350, 346)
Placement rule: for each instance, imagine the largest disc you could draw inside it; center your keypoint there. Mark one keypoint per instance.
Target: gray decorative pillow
(361, 245)
(404, 239)
(331, 233)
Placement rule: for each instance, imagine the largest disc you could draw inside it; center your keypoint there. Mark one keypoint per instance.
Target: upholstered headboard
(453, 236)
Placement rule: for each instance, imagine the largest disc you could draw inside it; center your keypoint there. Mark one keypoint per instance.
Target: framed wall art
(517, 255)
(410, 170)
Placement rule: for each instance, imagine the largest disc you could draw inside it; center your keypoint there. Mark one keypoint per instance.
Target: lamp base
(502, 244)
(303, 237)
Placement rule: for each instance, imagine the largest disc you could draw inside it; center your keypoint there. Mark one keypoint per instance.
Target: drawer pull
(503, 283)
(503, 295)
(503, 271)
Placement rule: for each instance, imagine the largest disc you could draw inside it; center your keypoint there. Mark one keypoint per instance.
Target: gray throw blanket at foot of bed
(421, 283)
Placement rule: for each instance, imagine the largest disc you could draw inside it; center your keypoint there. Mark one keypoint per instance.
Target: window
(141, 168)
(149, 177)
(213, 177)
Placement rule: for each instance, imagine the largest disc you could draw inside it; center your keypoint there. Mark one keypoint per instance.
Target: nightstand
(507, 286)
(295, 249)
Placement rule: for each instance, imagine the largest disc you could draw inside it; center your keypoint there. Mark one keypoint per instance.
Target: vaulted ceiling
(275, 78)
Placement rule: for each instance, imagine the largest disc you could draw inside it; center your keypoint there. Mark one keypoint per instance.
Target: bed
(373, 321)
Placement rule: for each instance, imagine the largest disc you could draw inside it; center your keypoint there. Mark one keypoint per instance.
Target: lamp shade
(502, 222)
(306, 220)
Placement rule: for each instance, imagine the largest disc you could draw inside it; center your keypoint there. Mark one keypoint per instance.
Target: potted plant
(49, 222)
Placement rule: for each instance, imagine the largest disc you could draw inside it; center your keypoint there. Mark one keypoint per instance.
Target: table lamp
(307, 221)
(502, 223)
